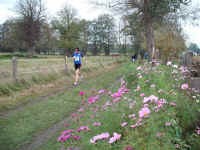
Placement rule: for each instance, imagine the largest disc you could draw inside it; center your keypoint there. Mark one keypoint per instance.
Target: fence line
(19, 68)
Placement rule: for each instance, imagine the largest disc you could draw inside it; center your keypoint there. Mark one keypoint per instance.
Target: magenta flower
(81, 93)
(83, 128)
(184, 86)
(76, 137)
(144, 112)
(124, 124)
(101, 136)
(142, 95)
(96, 124)
(116, 95)
(114, 138)
(93, 99)
(67, 132)
(63, 138)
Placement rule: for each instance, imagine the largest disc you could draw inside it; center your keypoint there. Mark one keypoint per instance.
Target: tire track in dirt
(47, 96)
(42, 137)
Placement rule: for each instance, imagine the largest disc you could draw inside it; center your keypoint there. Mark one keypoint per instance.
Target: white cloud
(85, 8)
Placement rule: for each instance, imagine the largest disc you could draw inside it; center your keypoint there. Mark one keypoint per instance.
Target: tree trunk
(149, 33)
(31, 51)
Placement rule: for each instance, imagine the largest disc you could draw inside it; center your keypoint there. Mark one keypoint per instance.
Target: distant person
(77, 64)
(134, 58)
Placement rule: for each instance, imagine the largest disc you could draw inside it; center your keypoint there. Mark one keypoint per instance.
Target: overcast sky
(88, 11)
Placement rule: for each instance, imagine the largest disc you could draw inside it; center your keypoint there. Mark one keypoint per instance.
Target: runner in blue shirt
(77, 64)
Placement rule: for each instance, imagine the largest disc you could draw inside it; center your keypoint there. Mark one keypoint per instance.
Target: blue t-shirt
(77, 57)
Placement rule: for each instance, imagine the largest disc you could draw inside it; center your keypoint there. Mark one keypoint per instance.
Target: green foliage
(194, 47)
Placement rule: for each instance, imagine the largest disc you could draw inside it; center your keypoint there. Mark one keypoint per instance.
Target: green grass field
(171, 124)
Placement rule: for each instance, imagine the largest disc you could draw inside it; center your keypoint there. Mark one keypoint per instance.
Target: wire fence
(17, 68)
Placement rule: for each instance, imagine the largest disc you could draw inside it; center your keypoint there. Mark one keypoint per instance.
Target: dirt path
(32, 101)
(42, 137)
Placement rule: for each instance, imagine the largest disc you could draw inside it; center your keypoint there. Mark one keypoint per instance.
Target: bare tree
(32, 16)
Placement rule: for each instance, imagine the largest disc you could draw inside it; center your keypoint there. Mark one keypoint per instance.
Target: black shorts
(77, 66)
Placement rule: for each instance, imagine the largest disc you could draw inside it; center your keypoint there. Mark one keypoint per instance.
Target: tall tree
(169, 42)
(32, 16)
(194, 47)
(94, 37)
(107, 37)
(68, 26)
(9, 36)
(84, 34)
(149, 11)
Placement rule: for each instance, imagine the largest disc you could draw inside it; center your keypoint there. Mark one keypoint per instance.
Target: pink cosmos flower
(83, 128)
(96, 124)
(63, 138)
(76, 137)
(81, 93)
(117, 94)
(184, 86)
(198, 130)
(67, 132)
(142, 95)
(151, 98)
(172, 103)
(160, 103)
(117, 99)
(93, 99)
(101, 136)
(81, 109)
(146, 105)
(132, 116)
(137, 124)
(134, 126)
(101, 91)
(114, 138)
(124, 124)
(144, 112)
(128, 148)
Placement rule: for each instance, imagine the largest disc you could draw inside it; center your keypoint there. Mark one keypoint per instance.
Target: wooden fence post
(14, 68)
(65, 58)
